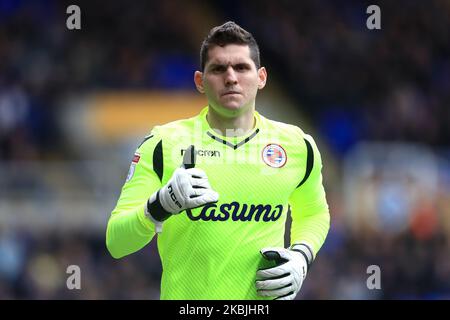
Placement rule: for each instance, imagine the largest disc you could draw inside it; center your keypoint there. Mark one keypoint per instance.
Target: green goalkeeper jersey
(212, 252)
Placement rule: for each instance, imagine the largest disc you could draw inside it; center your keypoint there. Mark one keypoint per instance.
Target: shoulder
(168, 131)
(291, 133)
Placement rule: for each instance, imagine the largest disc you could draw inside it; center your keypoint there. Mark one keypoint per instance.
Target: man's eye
(218, 69)
(241, 67)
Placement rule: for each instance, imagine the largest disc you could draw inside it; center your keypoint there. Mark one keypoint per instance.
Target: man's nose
(230, 76)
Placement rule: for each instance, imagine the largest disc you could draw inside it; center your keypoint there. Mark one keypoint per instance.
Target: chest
(260, 170)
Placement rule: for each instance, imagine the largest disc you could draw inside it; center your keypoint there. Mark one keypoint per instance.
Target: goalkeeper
(216, 188)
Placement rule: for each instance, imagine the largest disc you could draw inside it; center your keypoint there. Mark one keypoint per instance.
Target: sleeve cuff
(304, 249)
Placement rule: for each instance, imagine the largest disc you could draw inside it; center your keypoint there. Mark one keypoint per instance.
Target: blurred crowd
(37, 266)
(353, 84)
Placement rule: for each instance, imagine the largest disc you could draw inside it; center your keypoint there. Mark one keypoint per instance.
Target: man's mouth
(230, 93)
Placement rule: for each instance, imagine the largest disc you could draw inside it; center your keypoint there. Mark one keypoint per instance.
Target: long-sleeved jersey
(212, 252)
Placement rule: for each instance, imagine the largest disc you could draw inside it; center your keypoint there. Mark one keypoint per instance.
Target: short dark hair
(229, 33)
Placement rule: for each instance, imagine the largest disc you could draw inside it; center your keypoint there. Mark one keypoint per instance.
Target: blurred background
(74, 105)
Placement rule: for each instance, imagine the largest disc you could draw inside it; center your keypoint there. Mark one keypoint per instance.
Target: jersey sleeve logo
(136, 158)
(274, 155)
(133, 164)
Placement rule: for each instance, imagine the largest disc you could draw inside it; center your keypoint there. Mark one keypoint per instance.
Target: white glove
(284, 280)
(186, 189)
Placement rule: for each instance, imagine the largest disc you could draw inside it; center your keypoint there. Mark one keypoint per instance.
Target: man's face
(230, 79)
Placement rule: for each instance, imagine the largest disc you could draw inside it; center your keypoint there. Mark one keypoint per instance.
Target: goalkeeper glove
(188, 188)
(284, 280)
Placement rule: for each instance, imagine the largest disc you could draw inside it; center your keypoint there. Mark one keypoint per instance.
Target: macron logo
(204, 153)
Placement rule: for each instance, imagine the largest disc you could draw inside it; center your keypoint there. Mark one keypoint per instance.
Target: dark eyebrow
(242, 64)
(239, 64)
(214, 65)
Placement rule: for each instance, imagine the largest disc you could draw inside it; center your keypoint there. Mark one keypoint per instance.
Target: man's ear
(198, 80)
(262, 75)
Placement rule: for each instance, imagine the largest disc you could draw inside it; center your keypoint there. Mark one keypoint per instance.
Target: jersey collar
(232, 142)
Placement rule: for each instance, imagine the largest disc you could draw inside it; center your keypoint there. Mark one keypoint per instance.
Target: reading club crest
(274, 155)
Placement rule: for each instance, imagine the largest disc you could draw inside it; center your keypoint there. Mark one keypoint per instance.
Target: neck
(231, 126)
